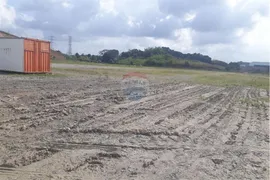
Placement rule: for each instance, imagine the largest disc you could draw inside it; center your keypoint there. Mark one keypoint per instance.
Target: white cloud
(108, 6)
(253, 45)
(257, 36)
(233, 3)
(131, 21)
(189, 16)
(239, 32)
(33, 33)
(184, 39)
(7, 15)
(26, 17)
(67, 4)
(258, 41)
(229, 30)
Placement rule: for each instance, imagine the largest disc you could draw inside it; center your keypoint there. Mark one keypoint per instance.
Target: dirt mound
(57, 55)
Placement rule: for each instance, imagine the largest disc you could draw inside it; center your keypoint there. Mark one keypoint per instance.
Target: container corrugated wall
(36, 56)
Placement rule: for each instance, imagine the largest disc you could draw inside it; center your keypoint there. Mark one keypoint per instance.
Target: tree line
(157, 56)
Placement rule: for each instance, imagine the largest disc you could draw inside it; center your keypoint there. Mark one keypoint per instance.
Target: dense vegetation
(157, 57)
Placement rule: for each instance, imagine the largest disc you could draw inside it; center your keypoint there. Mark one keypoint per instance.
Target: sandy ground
(81, 128)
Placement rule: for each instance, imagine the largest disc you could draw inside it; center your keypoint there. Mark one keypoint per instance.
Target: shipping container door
(37, 56)
(29, 56)
(45, 57)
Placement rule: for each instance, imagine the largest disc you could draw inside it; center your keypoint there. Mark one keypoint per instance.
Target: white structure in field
(12, 54)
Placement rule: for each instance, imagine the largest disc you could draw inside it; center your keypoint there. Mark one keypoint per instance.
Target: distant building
(243, 64)
(266, 64)
(254, 67)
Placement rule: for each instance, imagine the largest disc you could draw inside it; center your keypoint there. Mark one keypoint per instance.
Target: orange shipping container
(25, 55)
(36, 56)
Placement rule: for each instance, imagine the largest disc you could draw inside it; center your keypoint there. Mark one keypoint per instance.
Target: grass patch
(123, 70)
(233, 79)
(94, 72)
(224, 79)
(88, 63)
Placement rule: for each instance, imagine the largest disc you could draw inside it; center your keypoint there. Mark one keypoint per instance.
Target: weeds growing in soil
(226, 79)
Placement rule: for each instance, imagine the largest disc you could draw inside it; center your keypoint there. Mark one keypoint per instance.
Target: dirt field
(81, 127)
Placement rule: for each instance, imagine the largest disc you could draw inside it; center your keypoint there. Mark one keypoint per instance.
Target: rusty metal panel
(45, 47)
(29, 45)
(36, 56)
(28, 61)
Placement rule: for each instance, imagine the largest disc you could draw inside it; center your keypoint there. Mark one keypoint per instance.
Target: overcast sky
(229, 30)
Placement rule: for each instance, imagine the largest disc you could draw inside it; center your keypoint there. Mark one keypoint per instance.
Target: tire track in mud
(191, 96)
(242, 133)
(44, 117)
(152, 96)
(129, 109)
(259, 126)
(27, 155)
(156, 97)
(253, 94)
(36, 119)
(173, 121)
(249, 124)
(163, 108)
(25, 174)
(26, 121)
(120, 121)
(51, 104)
(210, 130)
(250, 117)
(238, 129)
(218, 100)
(108, 114)
(190, 113)
(48, 107)
(116, 147)
(132, 117)
(147, 101)
(167, 120)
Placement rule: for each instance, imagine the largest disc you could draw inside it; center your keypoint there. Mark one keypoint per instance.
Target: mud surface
(83, 128)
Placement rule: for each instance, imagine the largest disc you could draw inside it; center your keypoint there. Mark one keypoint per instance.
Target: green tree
(233, 66)
(220, 63)
(77, 55)
(109, 56)
(89, 56)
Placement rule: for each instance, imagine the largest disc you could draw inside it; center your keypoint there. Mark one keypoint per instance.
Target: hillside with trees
(157, 57)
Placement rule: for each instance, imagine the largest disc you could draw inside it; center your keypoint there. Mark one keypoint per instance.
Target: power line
(52, 42)
(70, 45)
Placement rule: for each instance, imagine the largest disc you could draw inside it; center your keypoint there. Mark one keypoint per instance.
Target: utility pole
(52, 42)
(70, 45)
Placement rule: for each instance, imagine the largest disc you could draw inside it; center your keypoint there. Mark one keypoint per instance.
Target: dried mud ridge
(84, 128)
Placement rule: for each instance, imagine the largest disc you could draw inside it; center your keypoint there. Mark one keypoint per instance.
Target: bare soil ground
(73, 128)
